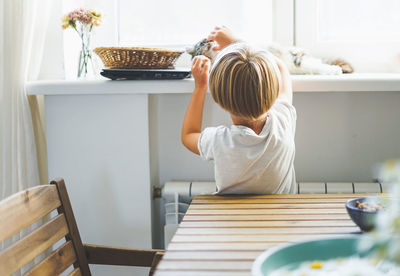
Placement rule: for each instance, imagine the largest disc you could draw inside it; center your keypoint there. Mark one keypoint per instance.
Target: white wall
(339, 137)
(104, 161)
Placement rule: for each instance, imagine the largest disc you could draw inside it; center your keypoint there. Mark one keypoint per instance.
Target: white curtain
(23, 25)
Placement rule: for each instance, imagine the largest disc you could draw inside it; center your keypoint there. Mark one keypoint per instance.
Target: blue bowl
(364, 219)
(292, 255)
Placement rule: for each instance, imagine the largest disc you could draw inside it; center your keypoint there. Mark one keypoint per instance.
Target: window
(185, 22)
(364, 32)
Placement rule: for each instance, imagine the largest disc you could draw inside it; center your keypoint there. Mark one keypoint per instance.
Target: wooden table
(222, 235)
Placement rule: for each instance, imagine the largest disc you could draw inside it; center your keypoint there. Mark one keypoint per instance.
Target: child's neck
(256, 125)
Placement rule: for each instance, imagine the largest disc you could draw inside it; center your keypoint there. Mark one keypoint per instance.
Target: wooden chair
(26, 207)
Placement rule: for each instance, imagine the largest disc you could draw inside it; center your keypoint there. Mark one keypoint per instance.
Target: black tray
(146, 74)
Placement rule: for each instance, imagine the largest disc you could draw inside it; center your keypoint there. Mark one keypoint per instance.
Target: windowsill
(365, 82)
(377, 82)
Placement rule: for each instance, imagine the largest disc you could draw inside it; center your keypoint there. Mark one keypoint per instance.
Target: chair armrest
(99, 254)
(157, 258)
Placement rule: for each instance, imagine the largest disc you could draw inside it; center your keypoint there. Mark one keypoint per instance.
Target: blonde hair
(245, 82)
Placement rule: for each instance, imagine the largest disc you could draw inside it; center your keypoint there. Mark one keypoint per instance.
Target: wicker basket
(138, 58)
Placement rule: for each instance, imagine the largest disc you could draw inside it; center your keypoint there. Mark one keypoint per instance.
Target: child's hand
(200, 71)
(222, 36)
(285, 90)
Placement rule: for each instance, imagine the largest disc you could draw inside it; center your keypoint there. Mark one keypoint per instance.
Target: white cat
(299, 61)
(296, 59)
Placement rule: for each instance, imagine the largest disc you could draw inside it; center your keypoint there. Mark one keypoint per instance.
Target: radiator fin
(312, 188)
(339, 188)
(360, 187)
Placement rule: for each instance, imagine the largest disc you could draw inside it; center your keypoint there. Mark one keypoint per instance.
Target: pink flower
(82, 16)
(85, 17)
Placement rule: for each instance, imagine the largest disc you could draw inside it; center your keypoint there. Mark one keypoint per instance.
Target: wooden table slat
(220, 255)
(233, 212)
(283, 196)
(205, 265)
(245, 224)
(241, 238)
(269, 200)
(220, 246)
(266, 231)
(273, 217)
(201, 273)
(242, 206)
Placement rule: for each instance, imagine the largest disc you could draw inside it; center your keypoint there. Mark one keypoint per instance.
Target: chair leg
(157, 258)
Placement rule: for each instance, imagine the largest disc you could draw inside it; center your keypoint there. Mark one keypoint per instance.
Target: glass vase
(85, 62)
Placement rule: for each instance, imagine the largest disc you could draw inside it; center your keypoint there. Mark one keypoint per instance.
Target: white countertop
(378, 82)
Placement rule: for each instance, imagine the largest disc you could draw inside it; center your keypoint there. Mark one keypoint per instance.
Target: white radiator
(177, 196)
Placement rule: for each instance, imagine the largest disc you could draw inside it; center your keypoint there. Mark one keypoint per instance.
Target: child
(256, 154)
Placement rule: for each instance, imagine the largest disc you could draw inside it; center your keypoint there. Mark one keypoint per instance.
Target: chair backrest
(21, 210)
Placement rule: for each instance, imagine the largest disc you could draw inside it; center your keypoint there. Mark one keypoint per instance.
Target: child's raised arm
(192, 122)
(285, 90)
(223, 37)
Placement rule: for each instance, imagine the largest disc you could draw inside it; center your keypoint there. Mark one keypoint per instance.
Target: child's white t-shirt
(247, 163)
